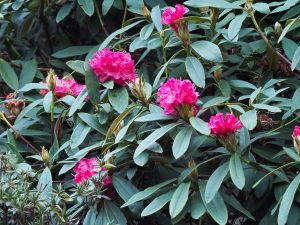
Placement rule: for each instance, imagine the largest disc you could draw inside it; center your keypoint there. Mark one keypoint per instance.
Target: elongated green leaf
(296, 59)
(45, 183)
(92, 121)
(270, 108)
(116, 33)
(79, 134)
(262, 7)
(28, 108)
(147, 192)
(236, 171)
(90, 217)
(157, 204)
(289, 27)
(235, 26)
(179, 199)
(32, 86)
(47, 101)
(214, 101)
(78, 102)
(154, 137)
(249, 119)
(154, 117)
(197, 206)
(72, 51)
(214, 182)
(64, 11)
(29, 69)
(8, 75)
(196, 71)
(87, 6)
(181, 142)
(200, 125)
(106, 5)
(287, 201)
(77, 66)
(222, 4)
(118, 98)
(110, 214)
(208, 50)
(156, 18)
(93, 86)
(146, 31)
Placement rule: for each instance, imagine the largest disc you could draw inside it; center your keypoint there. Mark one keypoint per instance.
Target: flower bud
(146, 13)
(184, 34)
(51, 80)
(138, 90)
(194, 174)
(278, 28)
(296, 139)
(218, 74)
(248, 5)
(45, 155)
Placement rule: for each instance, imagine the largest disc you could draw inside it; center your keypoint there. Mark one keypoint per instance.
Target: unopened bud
(184, 34)
(278, 28)
(118, 128)
(51, 80)
(229, 142)
(138, 90)
(218, 74)
(248, 5)
(45, 155)
(146, 13)
(194, 173)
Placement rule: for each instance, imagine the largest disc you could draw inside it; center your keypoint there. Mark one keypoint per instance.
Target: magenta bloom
(64, 87)
(85, 169)
(223, 126)
(115, 66)
(170, 16)
(175, 95)
(296, 132)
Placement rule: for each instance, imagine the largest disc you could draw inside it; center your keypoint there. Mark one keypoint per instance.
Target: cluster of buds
(14, 105)
(137, 88)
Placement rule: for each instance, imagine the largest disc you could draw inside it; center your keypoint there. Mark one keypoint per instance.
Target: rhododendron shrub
(149, 112)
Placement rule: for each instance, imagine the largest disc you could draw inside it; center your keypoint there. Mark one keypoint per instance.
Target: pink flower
(115, 66)
(223, 126)
(296, 132)
(64, 87)
(85, 169)
(170, 16)
(176, 95)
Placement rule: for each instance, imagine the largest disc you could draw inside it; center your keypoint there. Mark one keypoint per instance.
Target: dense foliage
(143, 112)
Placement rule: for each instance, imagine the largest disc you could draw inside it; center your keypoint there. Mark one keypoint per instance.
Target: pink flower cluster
(115, 66)
(223, 126)
(296, 132)
(176, 93)
(86, 168)
(170, 16)
(64, 87)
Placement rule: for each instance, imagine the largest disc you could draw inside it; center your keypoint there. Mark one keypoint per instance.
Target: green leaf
(8, 75)
(156, 18)
(261, 7)
(147, 192)
(287, 201)
(181, 142)
(208, 50)
(235, 26)
(32, 86)
(179, 199)
(200, 125)
(72, 51)
(216, 208)
(77, 66)
(93, 87)
(270, 108)
(45, 183)
(154, 117)
(64, 11)
(290, 26)
(222, 4)
(236, 171)
(196, 71)
(11, 144)
(296, 100)
(197, 206)
(157, 203)
(78, 102)
(87, 6)
(79, 134)
(28, 108)
(92, 121)
(214, 101)
(47, 101)
(110, 214)
(90, 217)
(116, 33)
(296, 59)
(289, 47)
(29, 69)
(118, 98)
(249, 119)
(154, 137)
(106, 5)
(146, 31)
(214, 182)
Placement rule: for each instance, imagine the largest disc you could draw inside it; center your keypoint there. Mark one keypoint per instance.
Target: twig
(100, 19)
(2, 117)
